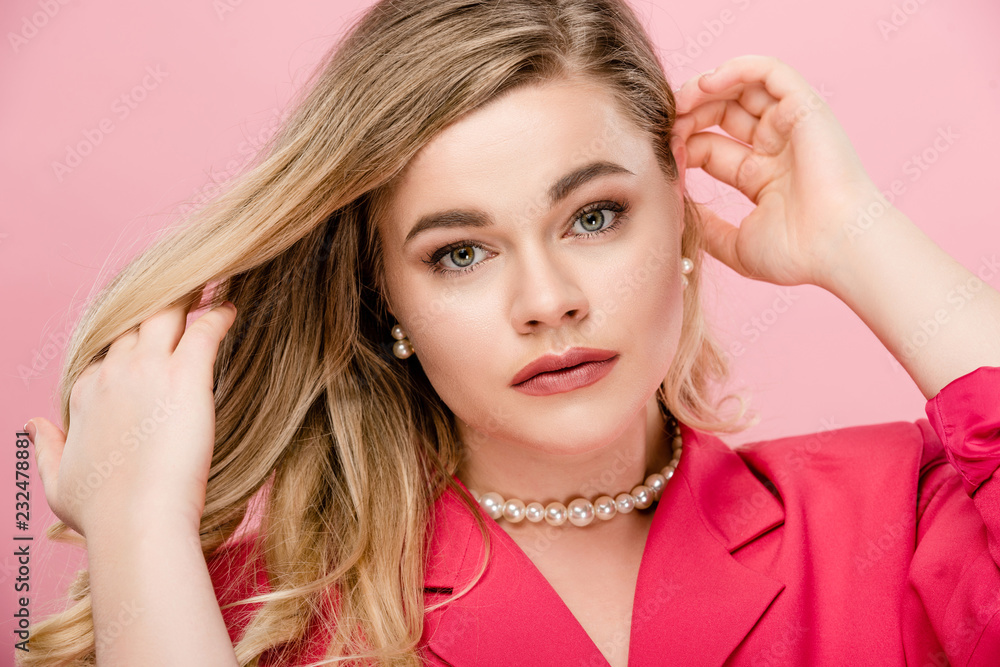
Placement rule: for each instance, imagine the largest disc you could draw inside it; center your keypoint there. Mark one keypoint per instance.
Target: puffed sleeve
(951, 608)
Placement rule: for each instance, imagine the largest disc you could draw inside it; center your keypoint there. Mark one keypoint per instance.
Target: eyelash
(620, 209)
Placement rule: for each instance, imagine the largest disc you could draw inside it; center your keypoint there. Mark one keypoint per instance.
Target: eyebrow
(558, 192)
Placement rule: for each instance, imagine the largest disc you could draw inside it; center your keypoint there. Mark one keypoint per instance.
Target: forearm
(936, 317)
(152, 599)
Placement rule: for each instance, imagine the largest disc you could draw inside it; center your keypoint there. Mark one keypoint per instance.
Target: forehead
(505, 155)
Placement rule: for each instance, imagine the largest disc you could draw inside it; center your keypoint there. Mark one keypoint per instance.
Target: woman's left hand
(799, 169)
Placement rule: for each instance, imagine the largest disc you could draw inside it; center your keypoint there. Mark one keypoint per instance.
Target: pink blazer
(868, 545)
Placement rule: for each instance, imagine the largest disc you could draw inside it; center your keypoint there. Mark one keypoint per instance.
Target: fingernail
(30, 430)
(708, 74)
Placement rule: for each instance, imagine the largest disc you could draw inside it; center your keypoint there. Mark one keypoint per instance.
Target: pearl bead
(687, 265)
(581, 512)
(492, 504)
(397, 332)
(624, 502)
(643, 496)
(402, 349)
(513, 510)
(605, 507)
(535, 512)
(656, 482)
(555, 514)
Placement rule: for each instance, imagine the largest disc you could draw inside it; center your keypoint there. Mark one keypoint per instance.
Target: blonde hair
(353, 444)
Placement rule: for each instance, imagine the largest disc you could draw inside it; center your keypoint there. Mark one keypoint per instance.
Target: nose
(546, 294)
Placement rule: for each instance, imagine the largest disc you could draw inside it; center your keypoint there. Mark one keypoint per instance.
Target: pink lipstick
(553, 374)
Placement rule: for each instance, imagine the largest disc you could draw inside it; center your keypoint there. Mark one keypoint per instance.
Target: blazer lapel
(694, 603)
(512, 611)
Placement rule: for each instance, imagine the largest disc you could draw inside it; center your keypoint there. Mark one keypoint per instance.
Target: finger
(691, 95)
(81, 385)
(91, 368)
(781, 120)
(161, 331)
(123, 344)
(720, 238)
(756, 100)
(727, 114)
(752, 97)
(729, 161)
(779, 79)
(199, 345)
(49, 444)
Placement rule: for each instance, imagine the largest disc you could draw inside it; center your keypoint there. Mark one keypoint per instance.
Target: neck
(532, 474)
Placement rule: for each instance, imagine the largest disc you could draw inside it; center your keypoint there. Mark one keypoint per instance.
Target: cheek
(645, 294)
(452, 333)
(643, 274)
(460, 350)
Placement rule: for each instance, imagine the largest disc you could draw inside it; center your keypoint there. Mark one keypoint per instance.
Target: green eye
(462, 256)
(593, 220)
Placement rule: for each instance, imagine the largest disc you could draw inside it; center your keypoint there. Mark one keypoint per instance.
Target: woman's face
(520, 262)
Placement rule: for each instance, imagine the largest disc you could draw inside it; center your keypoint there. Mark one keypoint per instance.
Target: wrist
(862, 250)
(142, 527)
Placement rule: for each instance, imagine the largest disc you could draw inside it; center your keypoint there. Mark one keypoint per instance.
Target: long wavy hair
(348, 446)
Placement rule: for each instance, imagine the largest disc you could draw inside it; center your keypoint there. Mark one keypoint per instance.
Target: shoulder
(857, 463)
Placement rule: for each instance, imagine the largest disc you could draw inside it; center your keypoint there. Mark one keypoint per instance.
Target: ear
(679, 150)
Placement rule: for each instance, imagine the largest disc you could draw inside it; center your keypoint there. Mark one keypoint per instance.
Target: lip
(567, 379)
(554, 362)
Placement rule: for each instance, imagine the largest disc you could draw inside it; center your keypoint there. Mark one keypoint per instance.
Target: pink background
(80, 74)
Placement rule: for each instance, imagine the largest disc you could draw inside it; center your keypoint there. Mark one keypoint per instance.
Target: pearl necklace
(580, 511)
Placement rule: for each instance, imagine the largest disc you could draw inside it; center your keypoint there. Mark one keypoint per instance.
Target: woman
(468, 202)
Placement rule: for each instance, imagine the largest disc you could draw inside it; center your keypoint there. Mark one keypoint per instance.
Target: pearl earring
(687, 266)
(402, 347)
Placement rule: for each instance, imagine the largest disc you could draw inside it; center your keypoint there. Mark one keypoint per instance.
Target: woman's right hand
(142, 427)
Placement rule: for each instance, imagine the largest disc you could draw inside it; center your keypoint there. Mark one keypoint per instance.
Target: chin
(579, 429)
